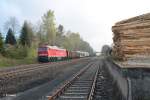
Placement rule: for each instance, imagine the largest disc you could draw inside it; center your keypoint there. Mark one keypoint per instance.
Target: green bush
(16, 52)
(31, 55)
(14, 55)
(32, 52)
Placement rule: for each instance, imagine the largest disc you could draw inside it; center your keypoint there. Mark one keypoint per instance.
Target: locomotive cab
(51, 53)
(43, 54)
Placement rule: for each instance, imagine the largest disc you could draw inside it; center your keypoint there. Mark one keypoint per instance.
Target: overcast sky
(91, 18)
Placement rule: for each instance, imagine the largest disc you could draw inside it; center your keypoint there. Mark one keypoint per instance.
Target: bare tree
(12, 23)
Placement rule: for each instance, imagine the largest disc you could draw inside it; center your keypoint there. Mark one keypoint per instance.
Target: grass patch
(9, 62)
(31, 58)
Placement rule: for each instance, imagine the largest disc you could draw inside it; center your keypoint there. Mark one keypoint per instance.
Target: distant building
(98, 53)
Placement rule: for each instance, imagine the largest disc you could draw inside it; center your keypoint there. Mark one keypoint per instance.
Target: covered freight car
(73, 54)
(82, 54)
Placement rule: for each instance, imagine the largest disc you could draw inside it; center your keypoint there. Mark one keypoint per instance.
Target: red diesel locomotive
(53, 53)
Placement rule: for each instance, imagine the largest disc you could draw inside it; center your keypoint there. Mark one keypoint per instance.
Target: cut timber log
(132, 38)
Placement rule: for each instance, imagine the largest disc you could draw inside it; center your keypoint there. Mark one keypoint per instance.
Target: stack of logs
(132, 37)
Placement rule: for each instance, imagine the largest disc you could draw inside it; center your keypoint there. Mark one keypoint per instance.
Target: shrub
(15, 52)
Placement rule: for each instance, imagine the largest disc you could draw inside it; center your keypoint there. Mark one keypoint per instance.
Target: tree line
(31, 36)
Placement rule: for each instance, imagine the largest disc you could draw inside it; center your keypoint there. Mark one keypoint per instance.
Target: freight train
(53, 53)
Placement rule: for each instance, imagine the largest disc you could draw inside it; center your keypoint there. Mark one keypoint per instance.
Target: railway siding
(18, 79)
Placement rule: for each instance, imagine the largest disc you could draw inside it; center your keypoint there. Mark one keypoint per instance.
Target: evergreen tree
(26, 35)
(10, 38)
(60, 30)
(1, 43)
(59, 36)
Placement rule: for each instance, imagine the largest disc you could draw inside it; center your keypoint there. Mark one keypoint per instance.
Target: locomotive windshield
(42, 49)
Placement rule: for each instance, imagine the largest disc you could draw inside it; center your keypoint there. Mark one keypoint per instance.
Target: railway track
(80, 87)
(10, 71)
(91, 83)
(20, 76)
(19, 71)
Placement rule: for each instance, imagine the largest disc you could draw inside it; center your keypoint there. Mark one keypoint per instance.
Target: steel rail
(24, 67)
(7, 70)
(68, 83)
(17, 72)
(29, 65)
(90, 96)
(27, 69)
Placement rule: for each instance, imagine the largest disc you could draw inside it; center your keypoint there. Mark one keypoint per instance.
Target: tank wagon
(53, 53)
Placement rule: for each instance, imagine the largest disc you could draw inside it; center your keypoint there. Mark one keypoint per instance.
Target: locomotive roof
(53, 47)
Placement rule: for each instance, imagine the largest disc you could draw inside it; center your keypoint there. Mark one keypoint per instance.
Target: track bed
(19, 79)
